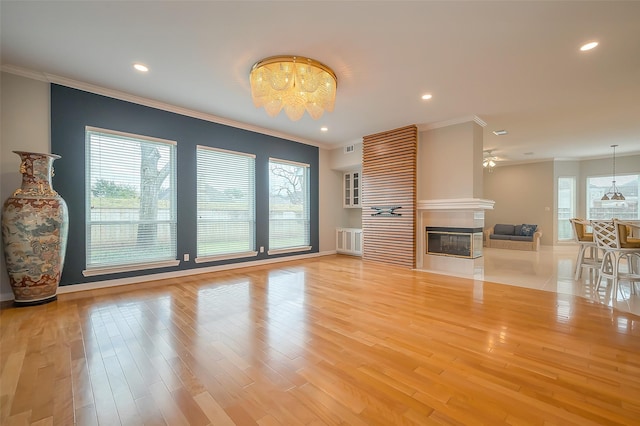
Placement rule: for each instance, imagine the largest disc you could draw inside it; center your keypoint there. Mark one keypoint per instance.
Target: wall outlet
(261, 249)
(186, 257)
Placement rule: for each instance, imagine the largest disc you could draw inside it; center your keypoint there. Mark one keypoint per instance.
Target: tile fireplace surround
(450, 213)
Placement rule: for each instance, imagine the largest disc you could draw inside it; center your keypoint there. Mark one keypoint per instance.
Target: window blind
(289, 218)
(130, 199)
(226, 203)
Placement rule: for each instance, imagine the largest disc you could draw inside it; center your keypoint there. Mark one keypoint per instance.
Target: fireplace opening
(457, 242)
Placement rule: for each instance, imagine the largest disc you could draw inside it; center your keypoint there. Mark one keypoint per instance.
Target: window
(566, 207)
(226, 204)
(288, 206)
(131, 202)
(607, 209)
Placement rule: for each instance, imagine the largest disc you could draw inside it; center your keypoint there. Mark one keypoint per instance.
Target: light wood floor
(332, 340)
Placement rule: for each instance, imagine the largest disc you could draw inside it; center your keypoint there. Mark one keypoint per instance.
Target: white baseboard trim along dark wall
(153, 277)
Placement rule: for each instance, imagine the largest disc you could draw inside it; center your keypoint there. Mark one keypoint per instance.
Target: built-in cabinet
(349, 241)
(351, 190)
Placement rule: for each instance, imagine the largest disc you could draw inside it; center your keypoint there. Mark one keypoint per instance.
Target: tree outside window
(131, 212)
(288, 205)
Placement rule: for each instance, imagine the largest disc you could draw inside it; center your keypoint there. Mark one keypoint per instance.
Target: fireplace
(453, 216)
(456, 242)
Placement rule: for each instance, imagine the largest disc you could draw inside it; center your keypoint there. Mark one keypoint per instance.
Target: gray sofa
(515, 237)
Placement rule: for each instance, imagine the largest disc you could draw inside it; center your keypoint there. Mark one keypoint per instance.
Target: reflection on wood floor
(331, 340)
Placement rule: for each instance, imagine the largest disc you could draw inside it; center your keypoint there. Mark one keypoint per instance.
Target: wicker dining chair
(588, 252)
(607, 236)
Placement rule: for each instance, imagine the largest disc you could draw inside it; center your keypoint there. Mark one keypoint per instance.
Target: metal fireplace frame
(474, 235)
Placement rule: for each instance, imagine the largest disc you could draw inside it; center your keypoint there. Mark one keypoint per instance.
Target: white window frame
(306, 210)
(228, 255)
(565, 221)
(102, 269)
(612, 210)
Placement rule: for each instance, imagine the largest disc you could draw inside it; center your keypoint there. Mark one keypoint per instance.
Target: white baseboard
(153, 277)
(72, 288)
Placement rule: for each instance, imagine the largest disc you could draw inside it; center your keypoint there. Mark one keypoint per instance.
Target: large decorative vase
(35, 224)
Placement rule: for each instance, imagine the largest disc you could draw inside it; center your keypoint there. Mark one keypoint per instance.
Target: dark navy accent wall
(72, 110)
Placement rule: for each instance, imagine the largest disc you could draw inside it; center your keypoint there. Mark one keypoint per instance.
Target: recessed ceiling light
(427, 96)
(140, 67)
(500, 132)
(589, 46)
(324, 129)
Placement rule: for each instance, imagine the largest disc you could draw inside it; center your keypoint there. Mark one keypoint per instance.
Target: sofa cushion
(528, 230)
(521, 238)
(579, 227)
(631, 243)
(500, 237)
(503, 229)
(518, 230)
(624, 232)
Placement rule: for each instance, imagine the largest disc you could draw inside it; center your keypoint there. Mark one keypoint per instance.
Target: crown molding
(123, 96)
(452, 122)
(23, 72)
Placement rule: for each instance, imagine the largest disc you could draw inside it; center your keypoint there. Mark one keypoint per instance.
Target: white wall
(331, 211)
(523, 194)
(450, 162)
(25, 127)
(347, 161)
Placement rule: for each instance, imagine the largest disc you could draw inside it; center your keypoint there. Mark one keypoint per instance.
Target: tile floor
(552, 269)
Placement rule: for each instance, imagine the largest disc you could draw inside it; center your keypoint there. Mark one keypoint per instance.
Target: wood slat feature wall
(389, 180)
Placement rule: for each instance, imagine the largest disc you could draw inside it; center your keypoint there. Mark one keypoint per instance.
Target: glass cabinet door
(347, 189)
(356, 189)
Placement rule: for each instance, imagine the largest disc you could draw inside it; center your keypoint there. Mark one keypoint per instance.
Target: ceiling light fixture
(140, 67)
(500, 132)
(427, 96)
(613, 193)
(294, 83)
(324, 129)
(589, 46)
(489, 160)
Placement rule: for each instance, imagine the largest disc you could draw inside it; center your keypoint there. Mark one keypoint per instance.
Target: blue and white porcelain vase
(35, 225)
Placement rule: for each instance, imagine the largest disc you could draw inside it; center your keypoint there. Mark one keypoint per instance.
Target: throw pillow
(528, 230)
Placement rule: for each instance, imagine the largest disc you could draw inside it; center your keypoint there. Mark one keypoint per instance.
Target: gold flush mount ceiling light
(294, 83)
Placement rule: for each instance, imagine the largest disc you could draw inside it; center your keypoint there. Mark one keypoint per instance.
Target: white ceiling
(516, 65)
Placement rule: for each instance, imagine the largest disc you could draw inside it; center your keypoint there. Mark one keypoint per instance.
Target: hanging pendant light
(613, 193)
